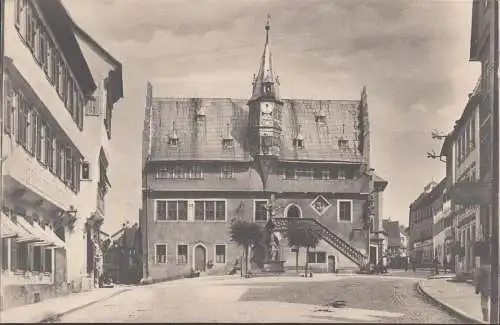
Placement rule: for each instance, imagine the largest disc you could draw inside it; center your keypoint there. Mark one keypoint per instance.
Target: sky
(412, 55)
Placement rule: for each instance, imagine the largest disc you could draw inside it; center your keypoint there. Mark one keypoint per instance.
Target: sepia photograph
(249, 161)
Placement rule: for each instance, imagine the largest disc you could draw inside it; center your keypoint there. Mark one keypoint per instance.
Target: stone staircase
(322, 232)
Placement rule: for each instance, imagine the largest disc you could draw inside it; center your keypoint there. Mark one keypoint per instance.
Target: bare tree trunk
(297, 260)
(307, 261)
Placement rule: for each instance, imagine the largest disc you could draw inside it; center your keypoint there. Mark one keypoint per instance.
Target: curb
(55, 317)
(452, 310)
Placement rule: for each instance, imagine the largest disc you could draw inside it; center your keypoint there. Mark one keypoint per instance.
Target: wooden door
(332, 267)
(200, 258)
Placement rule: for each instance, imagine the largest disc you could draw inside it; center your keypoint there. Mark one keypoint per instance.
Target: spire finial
(268, 27)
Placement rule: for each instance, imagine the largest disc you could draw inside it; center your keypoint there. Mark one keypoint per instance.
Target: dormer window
(298, 143)
(200, 114)
(343, 143)
(227, 144)
(227, 139)
(172, 141)
(267, 89)
(320, 119)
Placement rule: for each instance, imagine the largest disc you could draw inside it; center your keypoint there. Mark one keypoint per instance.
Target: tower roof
(265, 84)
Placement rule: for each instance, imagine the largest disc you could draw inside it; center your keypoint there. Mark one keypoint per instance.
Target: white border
(194, 255)
(338, 210)
(285, 212)
(215, 253)
(166, 253)
(254, 208)
(177, 253)
(324, 210)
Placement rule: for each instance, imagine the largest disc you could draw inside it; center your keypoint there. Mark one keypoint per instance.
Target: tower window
(298, 143)
(320, 118)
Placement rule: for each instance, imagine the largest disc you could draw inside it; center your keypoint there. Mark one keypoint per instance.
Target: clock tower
(265, 109)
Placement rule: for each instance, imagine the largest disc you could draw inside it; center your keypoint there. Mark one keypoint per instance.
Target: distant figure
(436, 265)
(445, 264)
(384, 264)
(405, 264)
(413, 266)
(483, 288)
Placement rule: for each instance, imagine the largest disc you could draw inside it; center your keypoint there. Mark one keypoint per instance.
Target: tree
(246, 235)
(300, 234)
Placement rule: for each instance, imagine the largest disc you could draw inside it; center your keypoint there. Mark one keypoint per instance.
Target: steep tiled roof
(201, 139)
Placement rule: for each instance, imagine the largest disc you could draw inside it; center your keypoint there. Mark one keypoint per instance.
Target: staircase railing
(320, 230)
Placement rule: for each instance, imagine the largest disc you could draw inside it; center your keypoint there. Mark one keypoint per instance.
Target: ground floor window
(37, 258)
(47, 265)
(5, 253)
(22, 257)
(220, 253)
(160, 253)
(316, 257)
(182, 254)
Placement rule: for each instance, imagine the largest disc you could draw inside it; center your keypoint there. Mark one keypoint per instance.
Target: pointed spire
(265, 85)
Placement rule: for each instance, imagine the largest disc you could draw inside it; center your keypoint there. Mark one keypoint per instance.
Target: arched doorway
(293, 211)
(200, 258)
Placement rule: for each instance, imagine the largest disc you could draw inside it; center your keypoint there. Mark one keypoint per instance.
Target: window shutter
(22, 22)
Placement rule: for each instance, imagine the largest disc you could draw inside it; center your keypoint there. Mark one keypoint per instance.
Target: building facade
(443, 238)
(422, 223)
(482, 50)
(48, 83)
(207, 161)
(463, 166)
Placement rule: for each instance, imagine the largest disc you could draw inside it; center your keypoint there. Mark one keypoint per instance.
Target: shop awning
(58, 242)
(31, 234)
(8, 229)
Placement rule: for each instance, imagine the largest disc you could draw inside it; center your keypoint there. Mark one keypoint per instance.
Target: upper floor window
(45, 52)
(171, 210)
(179, 172)
(344, 210)
(33, 132)
(260, 212)
(209, 210)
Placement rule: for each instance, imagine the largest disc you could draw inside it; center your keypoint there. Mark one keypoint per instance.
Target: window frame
(316, 254)
(255, 201)
(156, 253)
(215, 253)
(215, 210)
(351, 208)
(177, 262)
(227, 171)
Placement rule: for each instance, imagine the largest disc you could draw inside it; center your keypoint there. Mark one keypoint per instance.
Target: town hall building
(208, 161)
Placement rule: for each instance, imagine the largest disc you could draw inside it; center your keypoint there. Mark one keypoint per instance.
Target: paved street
(273, 299)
